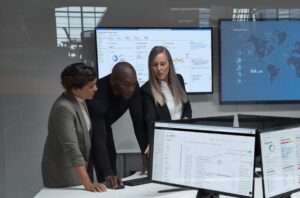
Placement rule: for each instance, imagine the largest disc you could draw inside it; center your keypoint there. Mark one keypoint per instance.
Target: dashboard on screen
(280, 161)
(190, 48)
(264, 122)
(260, 61)
(214, 158)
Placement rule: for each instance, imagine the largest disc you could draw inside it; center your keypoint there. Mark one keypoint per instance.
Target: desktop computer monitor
(213, 158)
(280, 161)
(263, 122)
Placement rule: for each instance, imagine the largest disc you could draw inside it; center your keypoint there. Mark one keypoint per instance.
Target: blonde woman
(164, 96)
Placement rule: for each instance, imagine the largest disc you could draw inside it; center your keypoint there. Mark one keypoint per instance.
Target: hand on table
(95, 187)
(113, 182)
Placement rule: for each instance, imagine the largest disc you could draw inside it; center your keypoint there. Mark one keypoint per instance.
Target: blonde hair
(175, 86)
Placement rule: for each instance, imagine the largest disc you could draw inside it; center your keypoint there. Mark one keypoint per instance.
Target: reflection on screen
(190, 48)
(214, 158)
(281, 161)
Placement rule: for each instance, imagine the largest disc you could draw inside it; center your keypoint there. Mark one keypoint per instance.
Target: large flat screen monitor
(260, 61)
(280, 161)
(217, 159)
(191, 50)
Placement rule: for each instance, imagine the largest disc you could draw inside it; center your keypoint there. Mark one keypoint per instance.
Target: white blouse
(174, 109)
(84, 111)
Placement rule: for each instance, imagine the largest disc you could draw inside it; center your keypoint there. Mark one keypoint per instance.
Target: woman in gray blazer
(68, 143)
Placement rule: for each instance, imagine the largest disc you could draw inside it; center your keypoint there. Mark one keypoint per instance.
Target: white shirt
(174, 109)
(84, 112)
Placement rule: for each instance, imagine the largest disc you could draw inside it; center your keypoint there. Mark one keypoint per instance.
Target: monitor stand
(258, 161)
(206, 194)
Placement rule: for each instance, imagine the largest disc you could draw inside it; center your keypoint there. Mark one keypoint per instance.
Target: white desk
(146, 190)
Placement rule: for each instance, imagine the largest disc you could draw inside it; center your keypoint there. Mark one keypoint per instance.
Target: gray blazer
(67, 145)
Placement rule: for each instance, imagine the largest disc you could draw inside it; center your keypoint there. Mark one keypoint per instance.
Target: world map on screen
(264, 47)
(260, 61)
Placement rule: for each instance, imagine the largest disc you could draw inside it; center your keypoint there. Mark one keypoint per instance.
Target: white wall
(30, 64)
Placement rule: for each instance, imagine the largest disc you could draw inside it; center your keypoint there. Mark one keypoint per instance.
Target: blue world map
(266, 45)
(260, 61)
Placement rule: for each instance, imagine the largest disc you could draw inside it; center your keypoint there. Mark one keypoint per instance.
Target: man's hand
(113, 181)
(145, 164)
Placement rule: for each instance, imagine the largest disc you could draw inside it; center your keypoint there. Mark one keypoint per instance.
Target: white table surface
(146, 190)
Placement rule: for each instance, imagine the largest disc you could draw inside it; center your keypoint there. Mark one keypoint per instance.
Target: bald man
(116, 93)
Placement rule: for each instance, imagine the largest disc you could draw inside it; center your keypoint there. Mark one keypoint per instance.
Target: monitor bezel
(208, 129)
(230, 102)
(206, 120)
(210, 29)
(262, 167)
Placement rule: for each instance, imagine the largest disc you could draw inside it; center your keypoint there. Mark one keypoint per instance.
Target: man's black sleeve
(136, 113)
(99, 152)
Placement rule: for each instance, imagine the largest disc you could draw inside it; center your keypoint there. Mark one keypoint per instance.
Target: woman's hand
(88, 185)
(95, 187)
